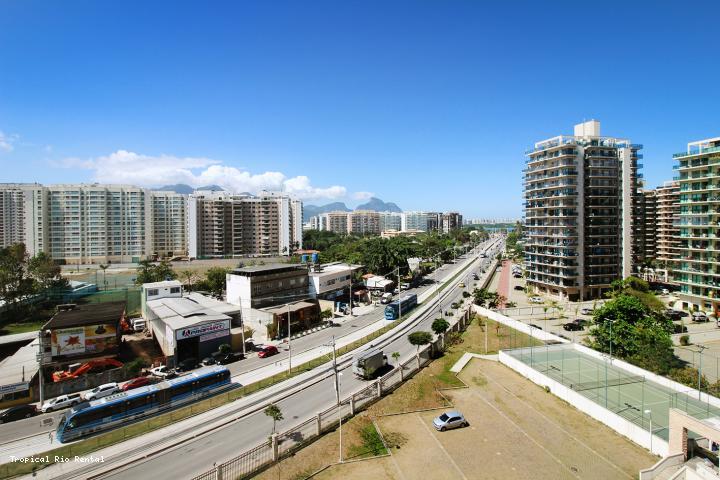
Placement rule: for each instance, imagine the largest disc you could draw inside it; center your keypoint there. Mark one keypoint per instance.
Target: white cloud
(153, 171)
(6, 142)
(363, 195)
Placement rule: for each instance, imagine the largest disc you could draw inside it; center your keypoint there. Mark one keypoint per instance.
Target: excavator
(102, 363)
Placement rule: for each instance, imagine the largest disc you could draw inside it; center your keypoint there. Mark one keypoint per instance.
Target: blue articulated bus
(115, 410)
(403, 304)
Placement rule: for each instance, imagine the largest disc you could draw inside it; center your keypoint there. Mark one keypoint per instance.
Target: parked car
(187, 365)
(536, 326)
(163, 372)
(461, 285)
(519, 287)
(664, 291)
(63, 401)
(404, 286)
(138, 324)
(673, 314)
(136, 383)
(211, 360)
(18, 412)
(268, 351)
(587, 311)
(386, 298)
(102, 391)
(450, 420)
(536, 300)
(230, 357)
(574, 326)
(699, 317)
(476, 276)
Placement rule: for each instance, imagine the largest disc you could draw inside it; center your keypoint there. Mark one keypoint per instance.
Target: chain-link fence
(284, 443)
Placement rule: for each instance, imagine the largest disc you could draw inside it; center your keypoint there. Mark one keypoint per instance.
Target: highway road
(199, 455)
(36, 425)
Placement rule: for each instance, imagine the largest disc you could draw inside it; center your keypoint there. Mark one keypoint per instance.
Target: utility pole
(351, 301)
(289, 344)
(337, 394)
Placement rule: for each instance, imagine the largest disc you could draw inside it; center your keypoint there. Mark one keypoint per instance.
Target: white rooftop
(184, 312)
(334, 268)
(22, 366)
(167, 283)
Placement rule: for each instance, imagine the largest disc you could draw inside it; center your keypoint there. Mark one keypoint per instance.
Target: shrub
(225, 348)
(133, 367)
(685, 340)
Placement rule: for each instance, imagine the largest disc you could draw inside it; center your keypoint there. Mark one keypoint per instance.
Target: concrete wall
(519, 326)
(624, 427)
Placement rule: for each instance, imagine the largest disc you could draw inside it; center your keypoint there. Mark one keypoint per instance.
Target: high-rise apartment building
(580, 199)
(364, 222)
(390, 221)
(222, 224)
(414, 221)
(169, 225)
(12, 212)
(696, 268)
(450, 221)
(644, 230)
(667, 230)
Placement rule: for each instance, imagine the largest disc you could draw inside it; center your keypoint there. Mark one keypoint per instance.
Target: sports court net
(612, 382)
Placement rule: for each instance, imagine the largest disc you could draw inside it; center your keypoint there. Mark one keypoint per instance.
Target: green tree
(396, 357)
(215, 279)
(419, 339)
(440, 325)
(189, 277)
(224, 348)
(148, 272)
(638, 333)
(16, 281)
(274, 412)
(45, 272)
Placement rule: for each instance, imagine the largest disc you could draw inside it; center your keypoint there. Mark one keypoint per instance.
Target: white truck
(366, 364)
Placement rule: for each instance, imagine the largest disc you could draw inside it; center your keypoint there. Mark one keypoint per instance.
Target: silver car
(450, 420)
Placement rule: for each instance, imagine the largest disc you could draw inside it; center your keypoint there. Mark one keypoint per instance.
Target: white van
(138, 324)
(386, 298)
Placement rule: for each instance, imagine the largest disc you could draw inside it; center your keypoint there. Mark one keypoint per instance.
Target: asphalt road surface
(33, 426)
(198, 456)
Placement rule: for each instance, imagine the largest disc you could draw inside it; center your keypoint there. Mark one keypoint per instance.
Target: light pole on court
(649, 412)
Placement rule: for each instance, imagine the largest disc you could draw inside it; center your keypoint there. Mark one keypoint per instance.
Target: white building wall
(238, 290)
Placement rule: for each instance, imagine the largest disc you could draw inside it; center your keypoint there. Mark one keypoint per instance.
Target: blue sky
(430, 104)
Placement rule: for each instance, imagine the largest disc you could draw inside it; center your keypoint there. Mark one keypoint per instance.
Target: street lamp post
(650, 430)
(289, 344)
(337, 394)
(701, 347)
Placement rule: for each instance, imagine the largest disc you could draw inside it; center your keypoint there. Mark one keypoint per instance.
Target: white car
(63, 401)
(102, 391)
(536, 300)
(162, 371)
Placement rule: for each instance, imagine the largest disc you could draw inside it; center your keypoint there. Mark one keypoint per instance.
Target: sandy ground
(517, 431)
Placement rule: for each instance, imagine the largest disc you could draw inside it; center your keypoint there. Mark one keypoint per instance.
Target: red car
(136, 383)
(268, 351)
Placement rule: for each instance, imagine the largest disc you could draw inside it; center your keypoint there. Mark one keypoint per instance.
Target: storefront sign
(14, 387)
(200, 330)
(213, 336)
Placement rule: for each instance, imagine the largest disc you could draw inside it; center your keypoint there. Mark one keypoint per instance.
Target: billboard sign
(87, 340)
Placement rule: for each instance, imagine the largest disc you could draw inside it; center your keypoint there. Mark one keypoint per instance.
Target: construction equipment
(85, 368)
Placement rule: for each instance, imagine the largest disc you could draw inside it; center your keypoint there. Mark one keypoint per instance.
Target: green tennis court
(620, 391)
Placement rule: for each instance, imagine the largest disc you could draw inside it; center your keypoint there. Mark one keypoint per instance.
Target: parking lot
(517, 431)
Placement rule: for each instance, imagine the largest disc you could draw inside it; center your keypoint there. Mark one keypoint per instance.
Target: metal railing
(280, 445)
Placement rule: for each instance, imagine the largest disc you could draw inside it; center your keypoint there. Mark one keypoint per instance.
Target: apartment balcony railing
(698, 151)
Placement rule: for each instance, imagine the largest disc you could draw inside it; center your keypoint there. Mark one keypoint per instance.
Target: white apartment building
(12, 213)
(580, 199)
(390, 221)
(222, 224)
(414, 221)
(92, 224)
(169, 224)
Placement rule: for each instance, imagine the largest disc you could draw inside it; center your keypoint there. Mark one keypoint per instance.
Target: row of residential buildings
(365, 222)
(589, 221)
(92, 223)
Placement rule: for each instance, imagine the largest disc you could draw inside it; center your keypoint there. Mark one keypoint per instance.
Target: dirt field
(517, 431)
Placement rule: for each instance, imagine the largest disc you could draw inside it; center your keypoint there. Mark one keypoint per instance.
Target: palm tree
(103, 268)
(189, 276)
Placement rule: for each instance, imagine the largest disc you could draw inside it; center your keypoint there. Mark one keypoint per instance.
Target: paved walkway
(504, 284)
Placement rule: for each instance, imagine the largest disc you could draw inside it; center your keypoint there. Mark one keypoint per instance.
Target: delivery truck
(367, 363)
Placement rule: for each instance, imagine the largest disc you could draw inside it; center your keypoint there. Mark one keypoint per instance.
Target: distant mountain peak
(377, 205)
(187, 189)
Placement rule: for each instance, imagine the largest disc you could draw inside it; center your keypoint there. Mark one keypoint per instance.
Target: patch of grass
(395, 439)
(370, 445)
(22, 327)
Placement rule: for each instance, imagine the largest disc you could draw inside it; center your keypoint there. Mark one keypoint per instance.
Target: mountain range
(187, 189)
(374, 204)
